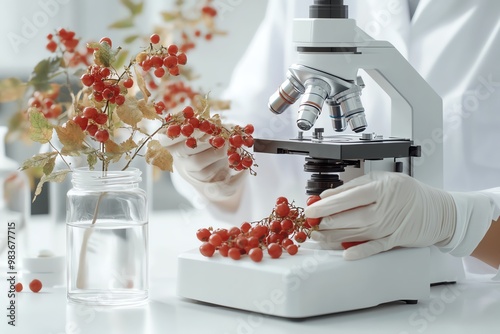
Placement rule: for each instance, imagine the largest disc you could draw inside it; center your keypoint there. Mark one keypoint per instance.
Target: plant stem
(60, 154)
(142, 145)
(82, 269)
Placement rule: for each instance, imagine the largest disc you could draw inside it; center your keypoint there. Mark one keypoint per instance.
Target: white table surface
(472, 306)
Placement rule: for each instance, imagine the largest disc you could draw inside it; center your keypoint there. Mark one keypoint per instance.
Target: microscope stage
(311, 283)
(340, 147)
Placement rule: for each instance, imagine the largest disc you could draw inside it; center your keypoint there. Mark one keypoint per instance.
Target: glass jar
(107, 238)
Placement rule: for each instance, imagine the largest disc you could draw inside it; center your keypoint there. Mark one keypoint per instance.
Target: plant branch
(142, 145)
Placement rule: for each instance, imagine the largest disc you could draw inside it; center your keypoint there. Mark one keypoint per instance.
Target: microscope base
(314, 282)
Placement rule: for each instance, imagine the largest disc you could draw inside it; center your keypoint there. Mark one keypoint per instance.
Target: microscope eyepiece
(328, 9)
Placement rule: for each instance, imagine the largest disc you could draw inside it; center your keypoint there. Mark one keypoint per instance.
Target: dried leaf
(220, 105)
(91, 160)
(103, 54)
(71, 136)
(169, 16)
(41, 129)
(58, 176)
(11, 89)
(129, 113)
(113, 150)
(159, 156)
(121, 59)
(142, 85)
(38, 160)
(48, 168)
(128, 145)
(202, 106)
(148, 110)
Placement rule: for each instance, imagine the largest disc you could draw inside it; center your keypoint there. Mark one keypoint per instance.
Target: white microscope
(331, 51)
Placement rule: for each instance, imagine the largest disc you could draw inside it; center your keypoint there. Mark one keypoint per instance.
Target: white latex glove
(393, 209)
(205, 168)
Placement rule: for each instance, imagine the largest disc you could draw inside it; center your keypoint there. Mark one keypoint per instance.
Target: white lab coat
(454, 45)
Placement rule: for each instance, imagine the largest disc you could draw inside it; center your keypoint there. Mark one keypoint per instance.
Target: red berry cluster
(162, 59)
(237, 138)
(46, 102)
(105, 84)
(67, 42)
(94, 122)
(283, 230)
(175, 93)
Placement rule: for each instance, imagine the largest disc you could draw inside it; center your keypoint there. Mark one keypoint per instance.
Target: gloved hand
(392, 209)
(205, 168)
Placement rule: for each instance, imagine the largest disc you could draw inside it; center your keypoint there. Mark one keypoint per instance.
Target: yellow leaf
(128, 145)
(38, 160)
(58, 176)
(11, 89)
(113, 150)
(142, 85)
(41, 129)
(148, 110)
(159, 156)
(71, 136)
(129, 113)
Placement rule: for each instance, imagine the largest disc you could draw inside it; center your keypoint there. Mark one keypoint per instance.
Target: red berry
(81, 121)
(256, 254)
(174, 71)
(203, 234)
(191, 142)
(300, 237)
(223, 250)
(87, 79)
(245, 227)
(101, 118)
(172, 49)
(182, 59)
(312, 199)
(188, 112)
(120, 99)
(282, 199)
(173, 131)
(102, 135)
(51, 46)
(187, 129)
(170, 61)
(349, 244)
(90, 112)
(106, 40)
(274, 250)
(248, 129)
(18, 287)
(313, 221)
(35, 285)
(292, 249)
(234, 159)
(282, 210)
(154, 38)
(217, 141)
(128, 83)
(234, 253)
(215, 240)
(92, 129)
(207, 249)
(286, 225)
(236, 141)
(159, 72)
